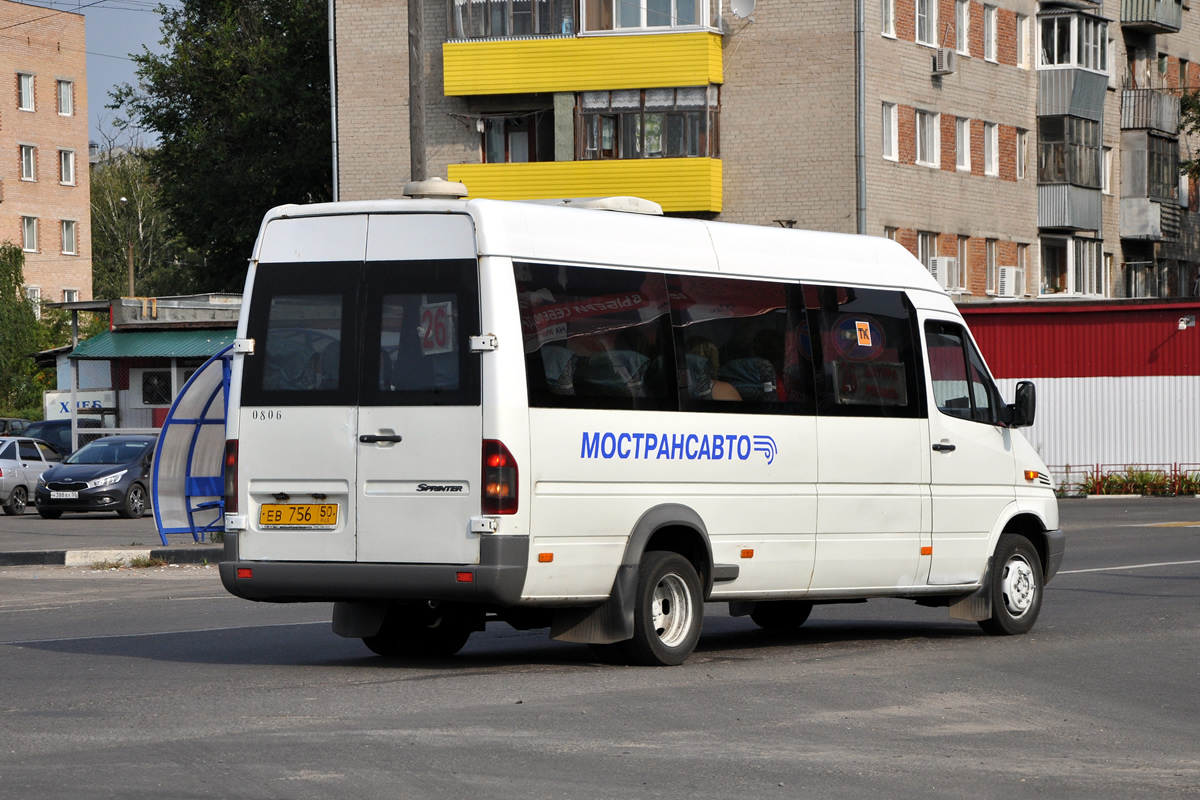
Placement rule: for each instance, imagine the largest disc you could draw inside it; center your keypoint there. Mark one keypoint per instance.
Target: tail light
(231, 476)
(499, 479)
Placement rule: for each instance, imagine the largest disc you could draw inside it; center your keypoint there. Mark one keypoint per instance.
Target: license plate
(64, 495)
(298, 515)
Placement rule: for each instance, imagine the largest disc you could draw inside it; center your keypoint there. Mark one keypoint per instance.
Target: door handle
(372, 438)
(943, 448)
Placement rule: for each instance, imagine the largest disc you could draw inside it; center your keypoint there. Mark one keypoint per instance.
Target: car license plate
(64, 495)
(298, 515)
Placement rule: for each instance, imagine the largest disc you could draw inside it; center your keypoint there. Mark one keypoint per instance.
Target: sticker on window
(436, 328)
(864, 333)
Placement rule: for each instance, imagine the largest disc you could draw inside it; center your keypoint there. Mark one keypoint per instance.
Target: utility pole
(416, 89)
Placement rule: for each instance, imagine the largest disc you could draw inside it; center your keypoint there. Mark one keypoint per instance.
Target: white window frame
(991, 148)
(66, 167)
(928, 135)
(703, 22)
(989, 248)
(891, 134)
(958, 278)
(887, 23)
(1023, 265)
(66, 98)
(1022, 153)
(962, 27)
(33, 295)
(926, 247)
(1106, 171)
(29, 234)
(889, 232)
(28, 162)
(962, 144)
(70, 237)
(991, 33)
(26, 99)
(70, 295)
(1086, 270)
(1094, 38)
(1022, 41)
(925, 13)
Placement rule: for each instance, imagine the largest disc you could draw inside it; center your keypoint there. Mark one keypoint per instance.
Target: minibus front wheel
(1016, 585)
(668, 613)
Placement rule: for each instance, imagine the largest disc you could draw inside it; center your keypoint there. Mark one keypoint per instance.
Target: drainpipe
(860, 120)
(333, 106)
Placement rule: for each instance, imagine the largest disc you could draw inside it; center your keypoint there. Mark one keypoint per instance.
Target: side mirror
(1021, 412)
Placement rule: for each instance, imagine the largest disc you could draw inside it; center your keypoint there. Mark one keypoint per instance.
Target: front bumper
(109, 498)
(497, 580)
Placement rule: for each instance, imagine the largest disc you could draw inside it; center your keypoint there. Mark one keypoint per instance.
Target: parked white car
(22, 460)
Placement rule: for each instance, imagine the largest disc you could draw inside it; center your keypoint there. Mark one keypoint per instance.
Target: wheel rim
(137, 502)
(1019, 586)
(18, 500)
(672, 610)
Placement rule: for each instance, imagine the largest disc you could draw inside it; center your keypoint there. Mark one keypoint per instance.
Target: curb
(211, 554)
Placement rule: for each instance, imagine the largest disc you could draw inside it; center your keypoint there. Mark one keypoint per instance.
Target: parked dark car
(12, 426)
(58, 432)
(109, 474)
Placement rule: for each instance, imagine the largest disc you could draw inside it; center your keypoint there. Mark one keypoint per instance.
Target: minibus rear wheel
(1017, 582)
(781, 615)
(420, 630)
(668, 613)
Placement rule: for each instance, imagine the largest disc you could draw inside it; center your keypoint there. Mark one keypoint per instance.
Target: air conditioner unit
(945, 61)
(1010, 282)
(942, 268)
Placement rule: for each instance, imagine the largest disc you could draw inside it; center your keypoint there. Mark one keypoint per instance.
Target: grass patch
(108, 564)
(141, 562)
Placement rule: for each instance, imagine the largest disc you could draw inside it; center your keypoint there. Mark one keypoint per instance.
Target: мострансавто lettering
(677, 446)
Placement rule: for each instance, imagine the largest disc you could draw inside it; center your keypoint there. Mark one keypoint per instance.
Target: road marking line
(1127, 566)
(1172, 525)
(161, 633)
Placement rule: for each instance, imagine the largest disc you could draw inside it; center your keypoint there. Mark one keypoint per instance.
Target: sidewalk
(82, 539)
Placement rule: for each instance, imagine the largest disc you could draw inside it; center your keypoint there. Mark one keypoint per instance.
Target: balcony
(1063, 206)
(1150, 109)
(581, 63)
(1148, 220)
(677, 184)
(1152, 16)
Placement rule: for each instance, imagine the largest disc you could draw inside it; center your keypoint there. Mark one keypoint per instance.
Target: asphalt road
(154, 683)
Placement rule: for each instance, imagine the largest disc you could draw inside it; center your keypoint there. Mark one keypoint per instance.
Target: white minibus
(447, 412)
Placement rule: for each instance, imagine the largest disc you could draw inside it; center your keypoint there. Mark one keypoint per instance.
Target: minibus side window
(961, 384)
(868, 366)
(595, 338)
(738, 346)
(302, 319)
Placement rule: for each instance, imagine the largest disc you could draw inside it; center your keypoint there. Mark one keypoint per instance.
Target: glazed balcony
(1152, 16)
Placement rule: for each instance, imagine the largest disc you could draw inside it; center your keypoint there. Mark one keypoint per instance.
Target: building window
(1069, 151)
(69, 237)
(990, 250)
(889, 232)
(962, 144)
(926, 22)
(1072, 266)
(66, 98)
(1070, 40)
(33, 294)
(518, 138)
(651, 123)
(887, 9)
(29, 232)
(1023, 262)
(24, 91)
(1022, 153)
(66, 167)
(926, 248)
(990, 32)
(891, 145)
(606, 15)
(28, 162)
(962, 27)
(991, 148)
(927, 138)
(70, 295)
(957, 279)
(1089, 278)
(486, 18)
(1183, 72)
(1162, 169)
(1106, 172)
(1022, 41)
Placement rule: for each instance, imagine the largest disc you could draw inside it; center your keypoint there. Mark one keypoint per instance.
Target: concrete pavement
(82, 539)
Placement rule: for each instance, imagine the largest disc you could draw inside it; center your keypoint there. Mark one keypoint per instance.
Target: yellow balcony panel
(677, 184)
(576, 64)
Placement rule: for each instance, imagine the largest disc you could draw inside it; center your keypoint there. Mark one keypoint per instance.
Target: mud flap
(976, 606)
(609, 622)
(357, 620)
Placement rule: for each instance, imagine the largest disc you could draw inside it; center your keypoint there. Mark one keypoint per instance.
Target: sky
(114, 29)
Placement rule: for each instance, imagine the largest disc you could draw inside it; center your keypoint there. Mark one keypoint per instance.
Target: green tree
(1189, 126)
(19, 335)
(127, 213)
(240, 103)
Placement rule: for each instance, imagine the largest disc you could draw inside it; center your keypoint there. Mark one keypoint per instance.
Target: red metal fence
(1161, 480)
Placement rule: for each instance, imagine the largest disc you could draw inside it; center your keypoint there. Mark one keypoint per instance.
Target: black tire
(1017, 583)
(17, 501)
(46, 513)
(668, 613)
(135, 502)
(421, 631)
(781, 615)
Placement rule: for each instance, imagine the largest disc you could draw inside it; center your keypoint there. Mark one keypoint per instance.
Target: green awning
(154, 344)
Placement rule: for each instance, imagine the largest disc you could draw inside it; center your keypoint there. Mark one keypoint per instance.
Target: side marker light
(926, 551)
(747, 553)
(465, 577)
(545, 558)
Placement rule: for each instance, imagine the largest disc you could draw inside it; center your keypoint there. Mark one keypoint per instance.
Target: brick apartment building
(1019, 149)
(44, 186)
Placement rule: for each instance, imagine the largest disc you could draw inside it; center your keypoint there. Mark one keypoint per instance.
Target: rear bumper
(1056, 545)
(497, 580)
